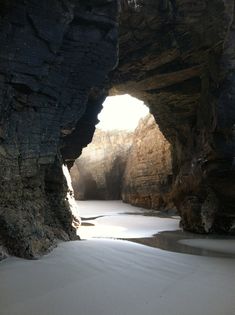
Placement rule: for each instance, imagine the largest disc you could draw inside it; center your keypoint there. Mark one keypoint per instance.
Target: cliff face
(53, 56)
(135, 167)
(148, 173)
(177, 56)
(98, 173)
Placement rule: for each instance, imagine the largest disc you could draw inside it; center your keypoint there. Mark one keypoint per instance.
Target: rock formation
(54, 58)
(148, 173)
(98, 173)
(176, 55)
(135, 167)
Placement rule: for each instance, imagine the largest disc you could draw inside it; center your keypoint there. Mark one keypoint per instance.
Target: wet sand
(116, 220)
(112, 219)
(172, 241)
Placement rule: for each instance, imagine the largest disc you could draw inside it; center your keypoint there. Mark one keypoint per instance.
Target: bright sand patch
(114, 219)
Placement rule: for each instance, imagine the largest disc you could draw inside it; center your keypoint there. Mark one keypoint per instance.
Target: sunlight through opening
(121, 112)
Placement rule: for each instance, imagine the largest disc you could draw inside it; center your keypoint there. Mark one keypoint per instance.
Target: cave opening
(58, 61)
(98, 173)
(176, 57)
(128, 160)
(121, 112)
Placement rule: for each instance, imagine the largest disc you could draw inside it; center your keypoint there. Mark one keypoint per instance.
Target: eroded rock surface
(54, 58)
(135, 167)
(178, 57)
(3, 253)
(98, 173)
(148, 174)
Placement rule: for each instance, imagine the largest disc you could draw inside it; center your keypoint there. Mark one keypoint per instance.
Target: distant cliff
(98, 173)
(133, 167)
(148, 172)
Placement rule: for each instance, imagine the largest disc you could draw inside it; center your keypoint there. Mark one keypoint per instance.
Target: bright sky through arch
(121, 112)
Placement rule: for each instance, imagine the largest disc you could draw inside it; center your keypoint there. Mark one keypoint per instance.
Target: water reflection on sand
(116, 220)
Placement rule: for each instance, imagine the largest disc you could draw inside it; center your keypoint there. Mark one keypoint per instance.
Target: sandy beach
(115, 277)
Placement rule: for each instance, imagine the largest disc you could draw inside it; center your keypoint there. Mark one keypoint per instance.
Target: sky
(121, 112)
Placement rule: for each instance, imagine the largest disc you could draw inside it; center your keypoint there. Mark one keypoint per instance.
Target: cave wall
(54, 58)
(147, 178)
(98, 172)
(178, 57)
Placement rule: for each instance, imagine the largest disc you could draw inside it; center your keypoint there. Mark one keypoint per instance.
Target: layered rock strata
(98, 173)
(175, 55)
(178, 57)
(54, 58)
(148, 174)
(135, 167)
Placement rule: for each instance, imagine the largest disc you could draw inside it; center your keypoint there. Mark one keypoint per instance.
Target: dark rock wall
(98, 172)
(148, 173)
(178, 57)
(54, 58)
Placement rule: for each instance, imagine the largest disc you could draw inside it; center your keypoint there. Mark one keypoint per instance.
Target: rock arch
(177, 56)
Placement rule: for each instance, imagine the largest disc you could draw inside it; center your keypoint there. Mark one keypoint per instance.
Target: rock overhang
(176, 56)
